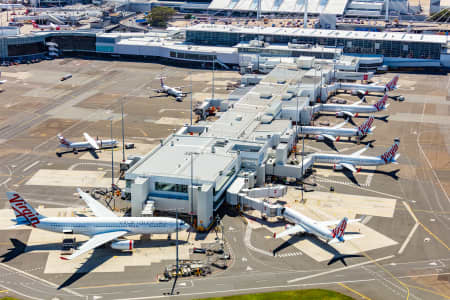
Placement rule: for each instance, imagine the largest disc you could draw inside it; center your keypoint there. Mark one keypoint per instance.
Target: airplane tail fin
(25, 213)
(392, 85)
(390, 155)
(365, 127)
(381, 104)
(338, 231)
(63, 140)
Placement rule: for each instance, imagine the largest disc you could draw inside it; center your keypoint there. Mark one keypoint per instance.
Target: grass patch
(312, 294)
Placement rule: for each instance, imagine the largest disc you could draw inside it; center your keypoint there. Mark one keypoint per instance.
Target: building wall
(381, 47)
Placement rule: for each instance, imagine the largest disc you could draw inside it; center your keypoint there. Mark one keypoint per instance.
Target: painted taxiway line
(354, 291)
(405, 243)
(10, 268)
(30, 166)
(6, 181)
(340, 269)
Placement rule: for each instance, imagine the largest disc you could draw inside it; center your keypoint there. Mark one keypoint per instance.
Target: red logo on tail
(22, 210)
(340, 229)
(380, 104)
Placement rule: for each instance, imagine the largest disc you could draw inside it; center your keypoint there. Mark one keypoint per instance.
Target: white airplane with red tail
(303, 224)
(334, 133)
(353, 110)
(104, 228)
(350, 161)
(364, 89)
(90, 144)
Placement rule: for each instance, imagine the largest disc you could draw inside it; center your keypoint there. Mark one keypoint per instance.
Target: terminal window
(171, 187)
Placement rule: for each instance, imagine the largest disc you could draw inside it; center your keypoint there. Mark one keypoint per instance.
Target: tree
(159, 16)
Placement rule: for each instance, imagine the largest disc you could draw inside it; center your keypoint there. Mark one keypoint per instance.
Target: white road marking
(6, 181)
(369, 179)
(405, 243)
(38, 279)
(32, 165)
(340, 269)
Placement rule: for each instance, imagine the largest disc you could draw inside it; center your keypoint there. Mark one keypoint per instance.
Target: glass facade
(171, 187)
(192, 56)
(388, 48)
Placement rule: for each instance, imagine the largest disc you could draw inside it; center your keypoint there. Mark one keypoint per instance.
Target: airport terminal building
(195, 169)
(230, 45)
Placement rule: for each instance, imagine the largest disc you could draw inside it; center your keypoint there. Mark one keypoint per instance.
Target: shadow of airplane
(91, 151)
(19, 248)
(337, 256)
(350, 175)
(97, 258)
(264, 222)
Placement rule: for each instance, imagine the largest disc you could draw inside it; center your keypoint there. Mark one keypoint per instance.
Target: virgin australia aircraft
(348, 161)
(354, 109)
(364, 89)
(90, 143)
(333, 134)
(319, 229)
(105, 227)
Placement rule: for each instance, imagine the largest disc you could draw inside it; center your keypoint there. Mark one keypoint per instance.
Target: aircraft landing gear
(58, 154)
(75, 151)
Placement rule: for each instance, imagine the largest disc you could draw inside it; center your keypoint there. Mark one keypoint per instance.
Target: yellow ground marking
(354, 291)
(4, 291)
(425, 227)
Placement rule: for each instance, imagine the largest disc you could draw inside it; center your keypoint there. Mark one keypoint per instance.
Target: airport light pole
(112, 168)
(176, 251)
(214, 66)
(123, 133)
(190, 76)
(192, 153)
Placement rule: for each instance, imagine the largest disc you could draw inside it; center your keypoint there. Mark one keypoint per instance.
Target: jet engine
(319, 137)
(123, 245)
(337, 167)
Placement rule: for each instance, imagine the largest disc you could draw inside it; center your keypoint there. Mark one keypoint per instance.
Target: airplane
(104, 228)
(348, 161)
(51, 26)
(364, 89)
(303, 224)
(171, 91)
(333, 134)
(352, 110)
(90, 144)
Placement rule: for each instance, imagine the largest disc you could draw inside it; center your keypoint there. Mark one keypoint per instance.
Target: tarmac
(405, 208)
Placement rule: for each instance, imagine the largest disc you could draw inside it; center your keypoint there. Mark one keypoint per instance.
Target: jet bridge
(251, 198)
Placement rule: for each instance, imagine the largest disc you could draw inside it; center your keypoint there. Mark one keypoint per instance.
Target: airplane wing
(91, 141)
(98, 209)
(349, 167)
(347, 238)
(293, 230)
(358, 102)
(361, 151)
(95, 241)
(335, 222)
(93, 153)
(339, 125)
(329, 136)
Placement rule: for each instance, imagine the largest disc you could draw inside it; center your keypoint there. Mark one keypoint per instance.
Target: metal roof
(324, 33)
